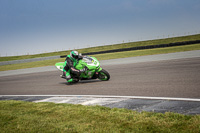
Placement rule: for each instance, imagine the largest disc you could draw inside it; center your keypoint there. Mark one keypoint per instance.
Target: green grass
(109, 47)
(105, 56)
(19, 116)
(147, 52)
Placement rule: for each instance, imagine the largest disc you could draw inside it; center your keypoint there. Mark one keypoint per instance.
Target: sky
(39, 26)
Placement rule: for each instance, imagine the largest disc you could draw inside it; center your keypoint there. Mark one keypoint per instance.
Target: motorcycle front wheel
(103, 75)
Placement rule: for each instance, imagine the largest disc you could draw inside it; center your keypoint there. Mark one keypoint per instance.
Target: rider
(69, 66)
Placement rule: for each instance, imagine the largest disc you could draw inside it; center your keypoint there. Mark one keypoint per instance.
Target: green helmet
(74, 55)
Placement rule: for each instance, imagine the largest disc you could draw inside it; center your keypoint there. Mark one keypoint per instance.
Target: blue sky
(38, 26)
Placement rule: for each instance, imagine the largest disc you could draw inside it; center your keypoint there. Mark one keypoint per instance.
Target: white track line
(107, 96)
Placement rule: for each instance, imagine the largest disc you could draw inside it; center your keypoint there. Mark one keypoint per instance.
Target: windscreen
(88, 60)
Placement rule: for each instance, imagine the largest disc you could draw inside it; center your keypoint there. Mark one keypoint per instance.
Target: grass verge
(20, 116)
(106, 56)
(109, 47)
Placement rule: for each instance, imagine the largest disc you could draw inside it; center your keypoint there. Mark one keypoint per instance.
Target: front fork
(99, 69)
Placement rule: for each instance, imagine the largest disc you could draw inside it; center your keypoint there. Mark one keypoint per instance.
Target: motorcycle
(93, 69)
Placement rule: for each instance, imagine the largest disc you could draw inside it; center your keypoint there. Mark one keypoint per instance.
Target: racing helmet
(74, 54)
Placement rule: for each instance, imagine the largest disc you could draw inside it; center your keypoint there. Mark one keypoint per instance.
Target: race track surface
(169, 78)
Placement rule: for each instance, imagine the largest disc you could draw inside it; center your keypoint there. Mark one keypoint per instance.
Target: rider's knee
(68, 77)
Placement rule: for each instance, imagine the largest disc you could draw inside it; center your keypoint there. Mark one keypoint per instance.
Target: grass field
(109, 47)
(19, 116)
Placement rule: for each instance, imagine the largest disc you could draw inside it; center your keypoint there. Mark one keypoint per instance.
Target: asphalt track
(170, 77)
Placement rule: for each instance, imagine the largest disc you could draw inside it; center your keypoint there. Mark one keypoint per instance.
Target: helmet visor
(75, 56)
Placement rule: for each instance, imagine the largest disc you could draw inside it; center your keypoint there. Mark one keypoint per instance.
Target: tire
(104, 75)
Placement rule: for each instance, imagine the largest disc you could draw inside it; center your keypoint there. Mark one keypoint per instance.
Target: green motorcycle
(93, 69)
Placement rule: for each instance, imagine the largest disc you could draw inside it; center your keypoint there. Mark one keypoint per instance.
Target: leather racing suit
(69, 67)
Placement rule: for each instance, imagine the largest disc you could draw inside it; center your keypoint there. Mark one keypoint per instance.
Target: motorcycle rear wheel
(103, 75)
